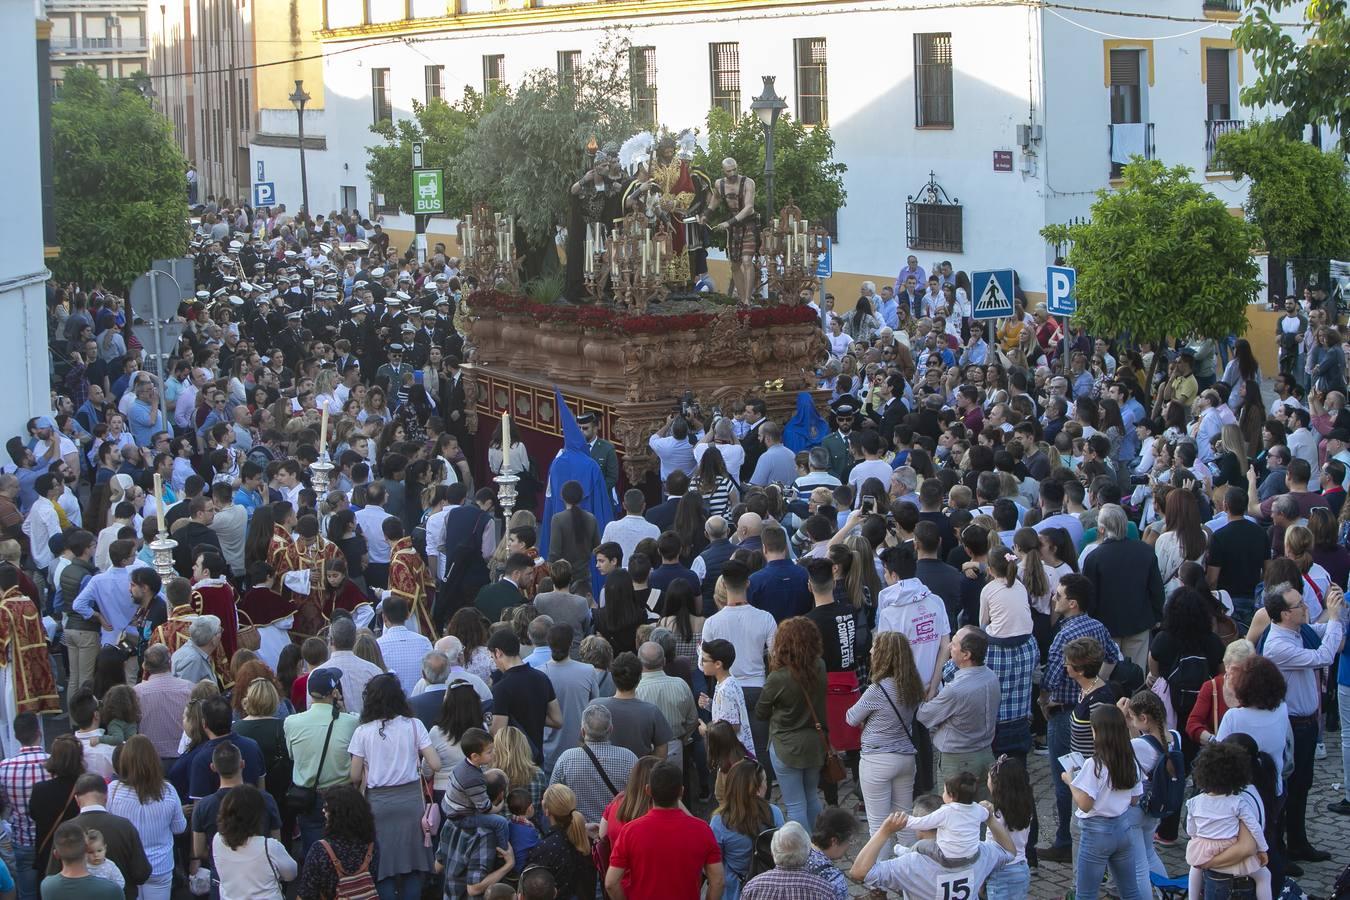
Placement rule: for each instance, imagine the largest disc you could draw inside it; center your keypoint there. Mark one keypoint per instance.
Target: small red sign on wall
(1003, 161)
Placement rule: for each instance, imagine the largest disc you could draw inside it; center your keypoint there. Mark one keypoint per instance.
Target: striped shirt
(156, 822)
(18, 774)
(163, 699)
(882, 731)
(672, 696)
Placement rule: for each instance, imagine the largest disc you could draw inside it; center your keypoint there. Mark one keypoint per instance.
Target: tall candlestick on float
(506, 483)
(162, 546)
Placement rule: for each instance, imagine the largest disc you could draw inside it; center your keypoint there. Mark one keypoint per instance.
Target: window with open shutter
(933, 80)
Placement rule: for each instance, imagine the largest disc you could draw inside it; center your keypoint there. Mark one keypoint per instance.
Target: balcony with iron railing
(1215, 129)
(1128, 139)
(98, 45)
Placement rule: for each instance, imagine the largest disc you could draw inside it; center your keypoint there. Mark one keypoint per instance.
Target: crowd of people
(1115, 555)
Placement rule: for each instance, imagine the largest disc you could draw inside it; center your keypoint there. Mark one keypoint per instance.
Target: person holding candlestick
(508, 456)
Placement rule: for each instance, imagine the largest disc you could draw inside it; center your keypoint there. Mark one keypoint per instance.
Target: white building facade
(994, 119)
(24, 364)
(109, 36)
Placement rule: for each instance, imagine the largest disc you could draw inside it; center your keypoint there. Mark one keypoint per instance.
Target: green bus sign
(428, 192)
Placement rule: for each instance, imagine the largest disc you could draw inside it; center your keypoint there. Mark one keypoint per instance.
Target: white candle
(614, 261)
(658, 258)
(323, 430)
(506, 442)
(590, 253)
(159, 505)
(806, 226)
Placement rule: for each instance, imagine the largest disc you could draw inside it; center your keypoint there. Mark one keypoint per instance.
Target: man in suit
(602, 451)
(435, 672)
(1129, 587)
(662, 515)
(887, 409)
(505, 592)
(753, 445)
(119, 835)
(451, 403)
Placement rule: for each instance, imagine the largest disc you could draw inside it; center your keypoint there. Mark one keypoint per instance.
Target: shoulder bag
(301, 800)
(832, 772)
(923, 773)
(602, 847)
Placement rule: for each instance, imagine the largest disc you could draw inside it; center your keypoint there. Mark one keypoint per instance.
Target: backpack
(358, 885)
(1184, 684)
(1127, 677)
(761, 857)
(1165, 789)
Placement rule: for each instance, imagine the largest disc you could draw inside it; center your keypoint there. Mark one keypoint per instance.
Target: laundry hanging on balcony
(1128, 139)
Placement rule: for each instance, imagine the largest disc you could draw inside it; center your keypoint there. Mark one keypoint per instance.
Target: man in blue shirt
(109, 595)
(249, 493)
(781, 588)
(202, 780)
(671, 569)
(28, 469)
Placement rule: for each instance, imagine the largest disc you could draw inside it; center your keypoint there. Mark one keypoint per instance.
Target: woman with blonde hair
(885, 712)
(375, 406)
(512, 753)
(566, 850)
(1298, 546)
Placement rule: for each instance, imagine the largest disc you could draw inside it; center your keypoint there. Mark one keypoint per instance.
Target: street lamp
(768, 106)
(299, 99)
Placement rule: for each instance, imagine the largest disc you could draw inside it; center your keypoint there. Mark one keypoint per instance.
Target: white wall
(24, 369)
(1013, 66)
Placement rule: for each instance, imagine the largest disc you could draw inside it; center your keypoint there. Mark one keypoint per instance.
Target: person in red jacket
(1215, 696)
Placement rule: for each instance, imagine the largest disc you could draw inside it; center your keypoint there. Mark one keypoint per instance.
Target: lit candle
(506, 442)
(159, 505)
(323, 430)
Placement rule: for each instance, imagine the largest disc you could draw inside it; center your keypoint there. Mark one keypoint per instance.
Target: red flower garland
(617, 321)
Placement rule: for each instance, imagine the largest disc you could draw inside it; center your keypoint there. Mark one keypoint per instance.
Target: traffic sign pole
(1061, 301)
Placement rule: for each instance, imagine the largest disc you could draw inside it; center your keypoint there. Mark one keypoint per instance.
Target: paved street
(1053, 880)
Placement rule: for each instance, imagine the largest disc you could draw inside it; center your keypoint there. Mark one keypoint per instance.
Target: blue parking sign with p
(264, 193)
(1060, 299)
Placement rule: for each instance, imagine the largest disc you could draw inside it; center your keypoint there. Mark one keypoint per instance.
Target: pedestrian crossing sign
(993, 293)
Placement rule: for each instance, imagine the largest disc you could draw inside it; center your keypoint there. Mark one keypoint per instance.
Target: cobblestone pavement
(1327, 830)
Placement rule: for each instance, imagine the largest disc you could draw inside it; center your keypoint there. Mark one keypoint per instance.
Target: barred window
(724, 70)
(933, 80)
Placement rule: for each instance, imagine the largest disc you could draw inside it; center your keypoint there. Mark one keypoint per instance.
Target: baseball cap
(324, 681)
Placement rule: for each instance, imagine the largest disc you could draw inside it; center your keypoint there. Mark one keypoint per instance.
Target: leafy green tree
(1161, 257)
(1306, 71)
(1299, 196)
(441, 127)
(523, 154)
(805, 170)
(121, 197)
